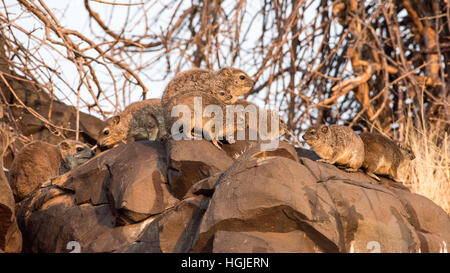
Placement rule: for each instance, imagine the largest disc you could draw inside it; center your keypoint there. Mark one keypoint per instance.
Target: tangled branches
(363, 63)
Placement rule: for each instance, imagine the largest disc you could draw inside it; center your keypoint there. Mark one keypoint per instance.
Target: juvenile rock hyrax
(383, 156)
(206, 125)
(191, 126)
(39, 161)
(282, 127)
(227, 84)
(142, 120)
(336, 144)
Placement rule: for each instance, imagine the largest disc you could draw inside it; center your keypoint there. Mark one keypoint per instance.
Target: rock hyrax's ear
(403, 146)
(226, 72)
(64, 145)
(116, 119)
(324, 129)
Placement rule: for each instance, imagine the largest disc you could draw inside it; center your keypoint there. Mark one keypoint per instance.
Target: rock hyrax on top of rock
(227, 84)
(193, 128)
(336, 144)
(142, 120)
(39, 161)
(206, 122)
(282, 127)
(386, 157)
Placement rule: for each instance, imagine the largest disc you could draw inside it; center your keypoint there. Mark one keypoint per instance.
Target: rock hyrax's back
(384, 156)
(336, 144)
(39, 161)
(226, 84)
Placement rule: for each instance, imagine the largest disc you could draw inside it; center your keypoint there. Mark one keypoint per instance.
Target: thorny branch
(360, 62)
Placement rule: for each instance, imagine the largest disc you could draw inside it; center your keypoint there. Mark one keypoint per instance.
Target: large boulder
(175, 230)
(189, 196)
(103, 205)
(325, 208)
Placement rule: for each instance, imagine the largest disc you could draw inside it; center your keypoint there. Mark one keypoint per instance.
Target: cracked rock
(103, 204)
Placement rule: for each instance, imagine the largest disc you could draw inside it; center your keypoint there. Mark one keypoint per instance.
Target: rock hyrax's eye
(106, 132)
(79, 149)
(222, 93)
(242, 77)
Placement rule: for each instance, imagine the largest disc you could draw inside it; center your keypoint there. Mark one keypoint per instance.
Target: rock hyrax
(336, 144)
(282, 127)
(205, 124)
(190, 127)
(39, 161)
(227, 84)
(386, 157)
(142, 120)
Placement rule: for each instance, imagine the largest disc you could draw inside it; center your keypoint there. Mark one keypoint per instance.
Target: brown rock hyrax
(207, 106)
(142, 120)
(336, 144)
(39, 161)
(190, 124)
(256, 124)
(383, 156)
(227, 84)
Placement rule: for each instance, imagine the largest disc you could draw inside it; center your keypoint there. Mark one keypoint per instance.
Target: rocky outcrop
(191, 161)
(188, 196)
(104, 204)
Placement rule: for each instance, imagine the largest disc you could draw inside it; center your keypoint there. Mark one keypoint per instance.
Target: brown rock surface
(335, 211)
(263, 242)
(264, 201)
(175, 230)
(103, 204)
(191, 161)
